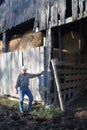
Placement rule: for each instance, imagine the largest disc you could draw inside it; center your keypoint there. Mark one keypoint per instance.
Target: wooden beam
(5, 42)
(62, 10)
(74, 9)
(47, 61)
(58, 87)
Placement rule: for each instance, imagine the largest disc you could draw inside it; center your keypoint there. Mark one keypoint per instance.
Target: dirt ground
(74, 119)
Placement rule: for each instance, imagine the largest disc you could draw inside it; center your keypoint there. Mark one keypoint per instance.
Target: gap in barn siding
(68, 8)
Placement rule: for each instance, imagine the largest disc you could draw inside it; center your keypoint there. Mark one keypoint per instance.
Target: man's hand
(16, 91)
(42, 72)
(39, 73)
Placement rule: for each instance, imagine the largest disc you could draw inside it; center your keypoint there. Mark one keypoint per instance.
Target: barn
(49, 36)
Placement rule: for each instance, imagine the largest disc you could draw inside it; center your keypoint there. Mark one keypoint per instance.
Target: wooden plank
(37, 58)
(42, 14)
(58, 88)
(4, 15)
(70, 84)
(70, 71)
(5, 42)
(8, 73)
(81, 7)
(13, 14)
(85, 5)
(3, 63)
(41, 67)
(61, 10)
(74, 9)
(65, 72)
(73, 77)
(54, 13)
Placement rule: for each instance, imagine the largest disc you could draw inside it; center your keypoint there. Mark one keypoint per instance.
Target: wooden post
(45, 70)
(47, 61)
(58, 87)
(5, 42)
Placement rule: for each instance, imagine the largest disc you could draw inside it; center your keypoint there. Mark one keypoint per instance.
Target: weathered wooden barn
(47, 35)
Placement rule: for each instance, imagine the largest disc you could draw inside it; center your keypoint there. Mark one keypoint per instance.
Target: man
(22, 86)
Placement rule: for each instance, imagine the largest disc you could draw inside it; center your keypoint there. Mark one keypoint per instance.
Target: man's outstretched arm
(35, 75)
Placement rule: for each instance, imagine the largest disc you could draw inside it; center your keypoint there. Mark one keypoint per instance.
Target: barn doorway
(69, 43)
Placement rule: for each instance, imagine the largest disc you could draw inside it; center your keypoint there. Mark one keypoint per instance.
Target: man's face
(23, 71)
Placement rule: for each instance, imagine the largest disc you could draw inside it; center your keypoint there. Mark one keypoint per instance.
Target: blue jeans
(22, 92)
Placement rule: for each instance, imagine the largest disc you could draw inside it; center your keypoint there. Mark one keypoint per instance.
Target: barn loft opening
(69, 42)
(20, 29)
(23, 37)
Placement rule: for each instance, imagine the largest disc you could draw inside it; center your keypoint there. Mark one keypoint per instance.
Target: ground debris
(73, 119)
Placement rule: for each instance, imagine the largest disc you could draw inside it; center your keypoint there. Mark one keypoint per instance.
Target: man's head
(23, 69)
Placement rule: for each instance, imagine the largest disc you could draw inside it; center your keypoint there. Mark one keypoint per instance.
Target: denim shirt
(23, 79)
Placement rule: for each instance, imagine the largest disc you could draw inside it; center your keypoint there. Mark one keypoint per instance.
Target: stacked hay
(28, 40)
(0, 46)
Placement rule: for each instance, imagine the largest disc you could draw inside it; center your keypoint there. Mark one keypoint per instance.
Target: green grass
(36, 109)
(4, 100)
(54, 111)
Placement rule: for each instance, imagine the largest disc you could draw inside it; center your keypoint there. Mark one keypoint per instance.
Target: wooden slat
(73, 77)
(58, 87)
(81, 7)
(74, 9)
(66, 72)
(61, 10)
(69, 84)
(54, 13)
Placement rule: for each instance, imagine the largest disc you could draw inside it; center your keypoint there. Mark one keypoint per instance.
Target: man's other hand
(16, 91)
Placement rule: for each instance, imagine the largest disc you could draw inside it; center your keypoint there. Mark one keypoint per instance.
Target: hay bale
(14, 44)
(1, 43)
(28, 40)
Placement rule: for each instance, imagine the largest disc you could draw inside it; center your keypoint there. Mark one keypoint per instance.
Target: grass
(42, 111)
(36, 109)
(4, 100)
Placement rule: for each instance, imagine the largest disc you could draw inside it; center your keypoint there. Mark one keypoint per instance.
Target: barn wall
(57, 12)
(10, 64)
(14, 12)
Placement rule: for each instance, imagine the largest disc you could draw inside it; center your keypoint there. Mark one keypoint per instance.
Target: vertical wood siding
(15, 12)
(10, 64)
(74, 9)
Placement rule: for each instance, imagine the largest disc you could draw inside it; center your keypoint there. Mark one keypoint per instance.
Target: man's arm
(39, 74)
(35, 75)
(17, 85)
